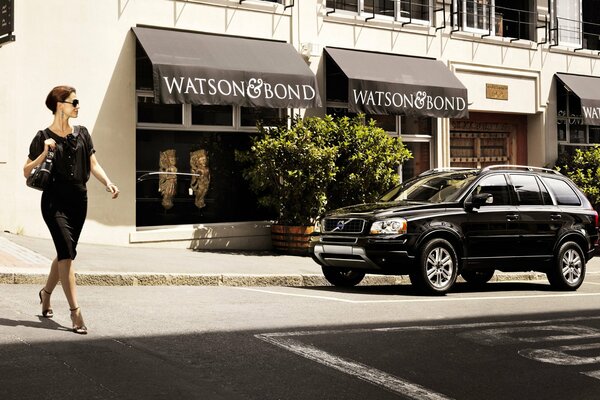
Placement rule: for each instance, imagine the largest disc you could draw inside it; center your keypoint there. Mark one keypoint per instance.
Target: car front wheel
(437, 267)
(568, 270)
(344, 277)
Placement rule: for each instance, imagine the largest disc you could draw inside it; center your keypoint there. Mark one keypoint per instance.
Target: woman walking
(64, 201)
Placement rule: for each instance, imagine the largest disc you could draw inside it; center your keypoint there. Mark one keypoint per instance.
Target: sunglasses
(75, 102)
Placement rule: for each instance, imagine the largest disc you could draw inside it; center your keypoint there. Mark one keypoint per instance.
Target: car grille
(344, 225)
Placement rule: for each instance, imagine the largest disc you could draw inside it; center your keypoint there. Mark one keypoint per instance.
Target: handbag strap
(50, 155)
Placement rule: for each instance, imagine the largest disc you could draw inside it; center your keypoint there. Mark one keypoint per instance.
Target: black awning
(391, 84)
(587, 88)
(208, 69)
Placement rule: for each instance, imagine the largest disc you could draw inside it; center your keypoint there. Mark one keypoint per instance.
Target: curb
(141, 279)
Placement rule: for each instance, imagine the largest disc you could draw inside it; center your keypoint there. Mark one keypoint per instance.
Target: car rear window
(564, 194)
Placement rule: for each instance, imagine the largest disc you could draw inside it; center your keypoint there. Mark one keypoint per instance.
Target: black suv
(470, 222)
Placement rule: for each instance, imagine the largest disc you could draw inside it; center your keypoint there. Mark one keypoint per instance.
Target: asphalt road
(504, 341)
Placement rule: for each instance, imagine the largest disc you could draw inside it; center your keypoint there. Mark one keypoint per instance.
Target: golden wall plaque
(496, 92)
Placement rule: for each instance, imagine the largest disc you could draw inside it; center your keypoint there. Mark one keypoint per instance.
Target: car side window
(563, 193)
(497, 186)
(545, 194)
(527, 189)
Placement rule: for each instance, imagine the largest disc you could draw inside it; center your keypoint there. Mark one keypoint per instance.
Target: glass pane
(528, 192)
(577, 133)
(212, 115)
(220, 195)
(416, 125)
(266, 116)
(338, 112)
(415, 9)
(150, 112)
(594, 134)
(568, 15)
(478, 13)
(420, 161)
(350, 5)
(561, 131)
(385, 122)
(574, 105)
(562, 96)
(562, 192)
(496, 186)
(381, 7)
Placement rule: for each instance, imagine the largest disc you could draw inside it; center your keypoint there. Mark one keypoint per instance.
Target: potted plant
(290, 170)
(583, 168)
(318, 163)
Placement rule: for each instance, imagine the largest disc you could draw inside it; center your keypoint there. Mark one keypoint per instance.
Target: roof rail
(442, 169)
(521, 167)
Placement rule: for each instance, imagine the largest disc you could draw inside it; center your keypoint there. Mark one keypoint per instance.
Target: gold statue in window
(200, 181)
(167, 183)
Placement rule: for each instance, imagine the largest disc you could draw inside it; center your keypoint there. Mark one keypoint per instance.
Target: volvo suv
(469, 222)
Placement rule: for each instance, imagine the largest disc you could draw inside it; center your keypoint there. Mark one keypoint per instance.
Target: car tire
(477, 277)
(568, 269)
(344, 277)
(437, 268)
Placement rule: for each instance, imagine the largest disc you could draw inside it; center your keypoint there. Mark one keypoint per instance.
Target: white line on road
(424, 300)
(361, 371)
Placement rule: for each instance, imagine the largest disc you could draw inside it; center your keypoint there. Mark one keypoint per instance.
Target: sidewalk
(26, 260)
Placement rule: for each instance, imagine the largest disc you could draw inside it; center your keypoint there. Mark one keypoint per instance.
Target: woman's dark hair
(58, 95)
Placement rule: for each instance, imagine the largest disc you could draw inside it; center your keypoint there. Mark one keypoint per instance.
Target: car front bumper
(377, 256)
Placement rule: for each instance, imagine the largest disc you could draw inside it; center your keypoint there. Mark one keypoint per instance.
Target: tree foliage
(583, 168)
(321, 163)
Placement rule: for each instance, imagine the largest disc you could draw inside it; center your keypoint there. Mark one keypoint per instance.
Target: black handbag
(41, 176)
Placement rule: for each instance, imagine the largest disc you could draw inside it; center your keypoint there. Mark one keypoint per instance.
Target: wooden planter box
(293, 240)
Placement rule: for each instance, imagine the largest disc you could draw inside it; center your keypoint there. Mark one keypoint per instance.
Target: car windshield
(433, 188)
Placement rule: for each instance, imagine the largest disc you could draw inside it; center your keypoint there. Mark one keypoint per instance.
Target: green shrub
(320, 163)
(290, 170)
(583, 168)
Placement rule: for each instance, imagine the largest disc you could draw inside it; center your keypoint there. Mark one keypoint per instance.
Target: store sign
(254, 91)
(7, 18)
(590, 110)
(388, 98)
(496, 92)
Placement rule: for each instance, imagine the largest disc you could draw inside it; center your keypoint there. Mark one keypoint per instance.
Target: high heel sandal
(82, 330)
(48, 313)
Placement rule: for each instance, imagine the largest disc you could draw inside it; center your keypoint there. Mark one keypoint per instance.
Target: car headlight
(396, 226)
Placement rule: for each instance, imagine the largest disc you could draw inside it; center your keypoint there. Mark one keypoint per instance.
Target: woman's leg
(50, 285)
(67, 279)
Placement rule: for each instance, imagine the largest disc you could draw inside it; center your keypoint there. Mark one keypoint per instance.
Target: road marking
(592, 374)
(423, 300)
(560, 355)
(415, 391)
(353, 368)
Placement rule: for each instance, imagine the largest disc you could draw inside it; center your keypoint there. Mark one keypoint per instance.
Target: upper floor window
(576, 23)
(513, 19)
(414, 11)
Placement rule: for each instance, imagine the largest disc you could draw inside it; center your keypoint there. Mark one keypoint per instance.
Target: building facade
(178, 86)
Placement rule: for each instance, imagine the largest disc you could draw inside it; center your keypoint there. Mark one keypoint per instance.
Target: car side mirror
(480, 199)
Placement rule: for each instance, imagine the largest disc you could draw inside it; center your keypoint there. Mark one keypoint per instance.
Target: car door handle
(512, 217)
(555, 217)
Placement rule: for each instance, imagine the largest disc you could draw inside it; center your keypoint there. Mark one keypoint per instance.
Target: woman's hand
(49, 144)
(112, 188)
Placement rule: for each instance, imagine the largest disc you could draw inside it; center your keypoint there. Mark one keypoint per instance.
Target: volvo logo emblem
(340, 225)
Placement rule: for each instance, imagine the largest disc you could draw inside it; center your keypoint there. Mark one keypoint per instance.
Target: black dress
(64, 202)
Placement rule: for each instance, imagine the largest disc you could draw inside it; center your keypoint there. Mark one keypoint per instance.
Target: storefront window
(218, 193)
(149, 112)
(415, 126)
(571, 131)
(420, 162)
(264, 116)
(212, 115)
(385, 122)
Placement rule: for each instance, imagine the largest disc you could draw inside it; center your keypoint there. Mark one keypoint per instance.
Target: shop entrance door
(479, 144)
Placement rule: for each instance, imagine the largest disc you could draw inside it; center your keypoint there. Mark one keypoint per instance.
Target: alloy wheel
(439, 267)
(571, 266)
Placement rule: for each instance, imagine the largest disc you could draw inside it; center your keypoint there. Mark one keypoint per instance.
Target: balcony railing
(481, 17)
(581, 35)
